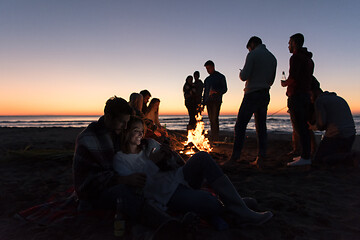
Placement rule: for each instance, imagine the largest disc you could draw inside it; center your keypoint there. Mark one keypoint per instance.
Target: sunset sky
(70, 56)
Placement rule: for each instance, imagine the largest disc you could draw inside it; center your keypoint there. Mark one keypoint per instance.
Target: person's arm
(294, 71)
(126, 175)
(90, 178)
(206, 93)
(245, 73)
(320, 115)
(137, 180)
(272, 79)
(223, 89)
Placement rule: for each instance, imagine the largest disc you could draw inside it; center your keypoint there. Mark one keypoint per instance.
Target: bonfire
(196, 139)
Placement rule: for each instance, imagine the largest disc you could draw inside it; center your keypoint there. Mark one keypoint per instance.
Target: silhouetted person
(298, 92)
(199, 87)
(146, 96)
(332, 114)
(136, 102)
(214, 88)
(189, 91)
(154, 128)
(259, 74)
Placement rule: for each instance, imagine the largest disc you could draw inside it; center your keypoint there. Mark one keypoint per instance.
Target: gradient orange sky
(69, 57)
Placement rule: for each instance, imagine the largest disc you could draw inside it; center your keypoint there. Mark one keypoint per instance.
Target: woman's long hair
(125, 141)
(136, 101)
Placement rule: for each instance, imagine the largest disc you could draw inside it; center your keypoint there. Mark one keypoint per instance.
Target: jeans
(299, 106)
(191, 107)
(253, 103)
(333, 150)
(213, 109)
(198, 168)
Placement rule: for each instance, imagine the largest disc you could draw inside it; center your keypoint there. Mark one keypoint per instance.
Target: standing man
(214, 88)
(298, 92)
(146, 96)
(258, 74)
(332, 114)
(199, 87)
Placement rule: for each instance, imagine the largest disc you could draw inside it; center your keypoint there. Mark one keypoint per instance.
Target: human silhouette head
(296, 42)
(210, 66)
(154, 104)
(146, 95)
(116, 114)
(315, 89)
(189, 79)
(196, 75)
(136, 101)
(253, 43)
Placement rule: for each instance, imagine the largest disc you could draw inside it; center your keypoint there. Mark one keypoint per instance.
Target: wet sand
(35, 163)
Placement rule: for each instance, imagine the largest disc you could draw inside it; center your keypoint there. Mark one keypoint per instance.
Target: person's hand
(201, 108)
(157, 133)
(156, 155)
(312, 127)
(137, 180)
(211, 92)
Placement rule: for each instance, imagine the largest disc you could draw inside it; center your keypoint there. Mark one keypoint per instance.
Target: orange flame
(197, 137)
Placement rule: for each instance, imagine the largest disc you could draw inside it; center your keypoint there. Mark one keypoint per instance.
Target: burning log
(196, 139)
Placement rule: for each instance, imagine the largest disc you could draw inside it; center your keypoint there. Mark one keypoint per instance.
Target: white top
(160, 185)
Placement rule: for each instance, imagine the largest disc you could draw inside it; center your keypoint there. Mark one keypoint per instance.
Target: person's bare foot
(259, 162)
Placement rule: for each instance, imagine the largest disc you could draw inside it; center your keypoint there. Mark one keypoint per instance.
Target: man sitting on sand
(334, 116)
(96, 183)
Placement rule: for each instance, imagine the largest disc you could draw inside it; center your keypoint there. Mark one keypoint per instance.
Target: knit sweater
(334, 116)
(259, 70)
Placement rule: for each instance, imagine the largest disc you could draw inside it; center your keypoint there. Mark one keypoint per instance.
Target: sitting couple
(104, 147)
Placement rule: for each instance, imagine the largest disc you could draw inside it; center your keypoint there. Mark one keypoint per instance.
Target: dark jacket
(300, 73)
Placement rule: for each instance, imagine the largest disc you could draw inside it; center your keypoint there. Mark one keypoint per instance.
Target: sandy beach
(35, 164)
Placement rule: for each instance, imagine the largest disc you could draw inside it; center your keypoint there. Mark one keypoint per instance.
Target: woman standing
(190, 101)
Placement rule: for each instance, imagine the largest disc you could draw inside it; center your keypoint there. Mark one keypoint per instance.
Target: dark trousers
(333, 150)
(213, 109)
(198, 168)
(253, 103)
(299, 106)
(192, 111)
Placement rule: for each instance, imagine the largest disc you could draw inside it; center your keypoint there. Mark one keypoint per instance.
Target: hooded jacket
(300, 73)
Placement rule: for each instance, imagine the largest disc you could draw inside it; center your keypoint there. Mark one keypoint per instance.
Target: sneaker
(299, 162)
(296, 158)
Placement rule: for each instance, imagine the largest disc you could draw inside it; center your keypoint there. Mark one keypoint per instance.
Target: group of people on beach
(150, 114)
(310, 108)
(125, 155)
(114, 161)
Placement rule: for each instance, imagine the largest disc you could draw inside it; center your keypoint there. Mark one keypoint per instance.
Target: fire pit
(196, 139)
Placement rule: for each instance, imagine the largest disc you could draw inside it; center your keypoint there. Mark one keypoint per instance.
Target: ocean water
(275, 123)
